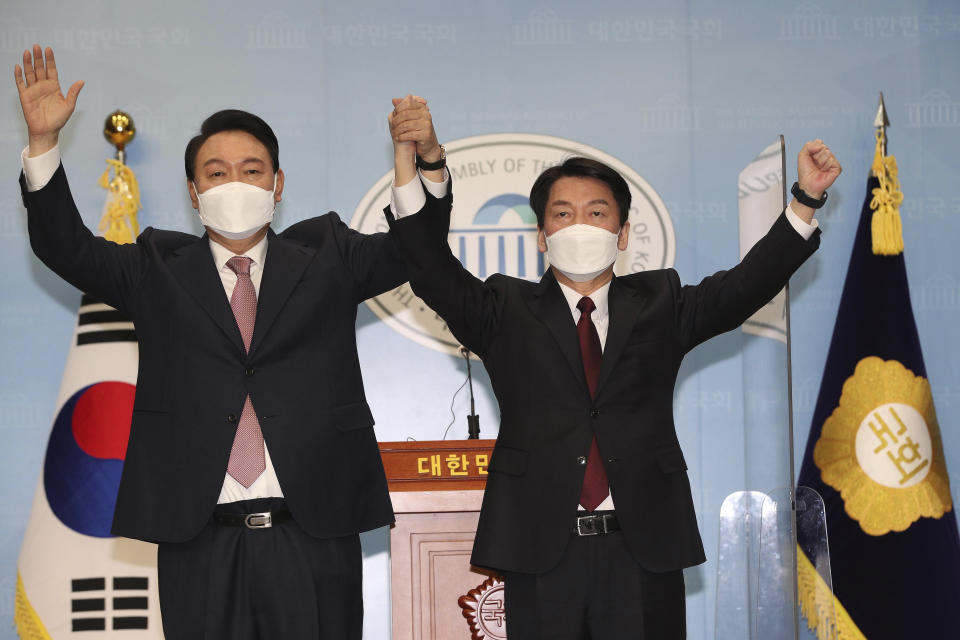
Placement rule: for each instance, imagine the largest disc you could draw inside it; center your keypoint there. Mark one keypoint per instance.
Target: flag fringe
(28, 623)
(825, 615)
(886, 226)
(119, 222)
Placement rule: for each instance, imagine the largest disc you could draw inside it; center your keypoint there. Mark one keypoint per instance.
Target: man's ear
(623, 236)
(192, 192)
(541, 240)
(278, 190)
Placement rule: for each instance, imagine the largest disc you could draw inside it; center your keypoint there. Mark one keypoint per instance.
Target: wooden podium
(437, 488)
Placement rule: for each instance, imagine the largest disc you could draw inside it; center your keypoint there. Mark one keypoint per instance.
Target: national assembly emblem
(483, 607)
(881, 449)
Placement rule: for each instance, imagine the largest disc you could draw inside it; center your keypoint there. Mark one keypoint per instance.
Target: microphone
(473, 420)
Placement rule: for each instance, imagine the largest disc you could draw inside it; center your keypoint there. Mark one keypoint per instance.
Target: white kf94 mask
(236, 210)
(582, 251)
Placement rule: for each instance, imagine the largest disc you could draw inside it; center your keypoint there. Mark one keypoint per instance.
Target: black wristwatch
(805, 199)
(433, 166)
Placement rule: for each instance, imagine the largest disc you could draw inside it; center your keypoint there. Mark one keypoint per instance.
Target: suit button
(611, 460)
(582, 460)
(250, 371)
(232, 417)
(595, 413)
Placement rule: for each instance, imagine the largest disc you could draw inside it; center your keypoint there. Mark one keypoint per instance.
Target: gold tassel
(28, 623)
(825, 615)
(119, 222)
(886, 226)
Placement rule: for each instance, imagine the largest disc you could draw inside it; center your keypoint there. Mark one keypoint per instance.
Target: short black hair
(232, 120)
(580, 167)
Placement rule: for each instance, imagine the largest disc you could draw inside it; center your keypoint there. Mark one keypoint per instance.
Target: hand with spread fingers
(45, 108)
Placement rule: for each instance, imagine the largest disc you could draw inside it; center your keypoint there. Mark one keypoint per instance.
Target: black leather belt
(596, 524)
(262, 520)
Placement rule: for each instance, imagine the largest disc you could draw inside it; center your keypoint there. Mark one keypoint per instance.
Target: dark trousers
(598, 592)
(260, 584)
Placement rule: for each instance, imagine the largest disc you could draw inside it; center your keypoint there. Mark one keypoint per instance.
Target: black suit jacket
(302, 371)
(525, 333)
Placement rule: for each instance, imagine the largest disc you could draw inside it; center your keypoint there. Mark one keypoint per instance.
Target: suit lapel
(195, 270)
(284, 266)
(624, 305)
(549, 305)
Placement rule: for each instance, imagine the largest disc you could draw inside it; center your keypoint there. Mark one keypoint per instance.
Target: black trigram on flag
(98, 322)
(93, 605)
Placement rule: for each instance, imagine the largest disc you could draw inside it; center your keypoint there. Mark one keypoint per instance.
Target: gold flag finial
(119, 130)
(119, 222)
(886, 226)
(881, 121)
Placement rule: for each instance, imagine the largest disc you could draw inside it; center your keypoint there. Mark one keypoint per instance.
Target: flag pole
(792, 485)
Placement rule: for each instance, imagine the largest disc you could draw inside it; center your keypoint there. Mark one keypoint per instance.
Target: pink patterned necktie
(596, 487)
(246, 457)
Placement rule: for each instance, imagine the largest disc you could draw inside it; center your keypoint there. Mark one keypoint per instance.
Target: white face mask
(582, 251)
(236, 210)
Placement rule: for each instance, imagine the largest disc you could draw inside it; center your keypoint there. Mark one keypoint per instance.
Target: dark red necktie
(595, 484)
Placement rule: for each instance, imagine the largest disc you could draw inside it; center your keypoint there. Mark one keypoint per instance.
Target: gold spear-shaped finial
(882, 122)
(886, 227)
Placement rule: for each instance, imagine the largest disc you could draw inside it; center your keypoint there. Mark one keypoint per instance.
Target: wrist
(813, 198)
(432, 154)
(405, 152)
(38, 145)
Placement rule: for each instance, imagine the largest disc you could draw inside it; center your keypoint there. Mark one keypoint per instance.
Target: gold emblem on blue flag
(880, 448)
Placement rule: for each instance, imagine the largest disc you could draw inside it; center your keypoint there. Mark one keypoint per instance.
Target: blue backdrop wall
(685, 93)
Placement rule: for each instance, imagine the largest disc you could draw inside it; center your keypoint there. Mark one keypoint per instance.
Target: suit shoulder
(505, 282)
(165, 241)
(651, 278)
(313, 230)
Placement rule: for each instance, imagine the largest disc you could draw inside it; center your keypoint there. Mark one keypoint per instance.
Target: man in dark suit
(252, 459)
(588, 511)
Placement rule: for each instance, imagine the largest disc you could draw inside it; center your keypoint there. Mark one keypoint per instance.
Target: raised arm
(58, 236)
(468, 305)
(725, 300)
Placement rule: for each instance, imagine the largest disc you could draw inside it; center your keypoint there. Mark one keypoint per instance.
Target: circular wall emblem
(493, 228)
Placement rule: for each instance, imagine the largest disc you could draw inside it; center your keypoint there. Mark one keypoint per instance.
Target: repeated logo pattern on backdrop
(493, 228)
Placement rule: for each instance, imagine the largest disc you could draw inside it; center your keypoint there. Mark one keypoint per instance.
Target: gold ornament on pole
(886, 226)
(119, 222)
(119, 130)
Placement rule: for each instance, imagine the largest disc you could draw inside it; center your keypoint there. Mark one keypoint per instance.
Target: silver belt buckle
(582, 519)
(258, 520)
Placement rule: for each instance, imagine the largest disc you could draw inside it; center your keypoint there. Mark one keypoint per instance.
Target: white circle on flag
(893, 446)
(494, 230)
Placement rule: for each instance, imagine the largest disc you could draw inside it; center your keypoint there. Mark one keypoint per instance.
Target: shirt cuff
(410, 198)
(801, 226)
(39, 169)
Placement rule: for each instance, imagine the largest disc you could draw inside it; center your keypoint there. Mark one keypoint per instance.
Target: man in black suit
(252, 459)
(588, 511)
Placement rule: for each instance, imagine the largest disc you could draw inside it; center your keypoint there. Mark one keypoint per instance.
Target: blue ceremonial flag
(875, 454)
